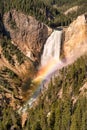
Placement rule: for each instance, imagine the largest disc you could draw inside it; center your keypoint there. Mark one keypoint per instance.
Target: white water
(51, 51)
(52, 47)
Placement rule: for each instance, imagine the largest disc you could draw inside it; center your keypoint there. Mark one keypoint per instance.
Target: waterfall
(52, 48)
(49, 60)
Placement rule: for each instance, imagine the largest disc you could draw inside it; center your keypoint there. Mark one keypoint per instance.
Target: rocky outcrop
(27, 38)
(75, 42)
(71, 10)
(27, 33)
(13, 75)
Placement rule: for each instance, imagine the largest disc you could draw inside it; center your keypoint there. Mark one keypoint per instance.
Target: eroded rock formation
(27, 33)
(75, 42)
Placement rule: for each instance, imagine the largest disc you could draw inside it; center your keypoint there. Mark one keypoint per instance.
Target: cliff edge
(27, 33)
(75, 42)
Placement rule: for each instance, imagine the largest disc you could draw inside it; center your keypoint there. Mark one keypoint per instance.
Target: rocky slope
(21, 52)
(22, 39)
(75, 42)
(27, 33)
(61, 105)
(74, 46)
(70, 87)
(15, 70)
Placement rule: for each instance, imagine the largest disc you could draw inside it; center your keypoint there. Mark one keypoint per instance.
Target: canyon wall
(75, 39)
(27, 33)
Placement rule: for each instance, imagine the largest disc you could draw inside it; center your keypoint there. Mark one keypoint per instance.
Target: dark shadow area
(59, 28)
(86, 17)
(42, 49)
(3, 30)
(6, 33)
(62, 56)
(26, 85)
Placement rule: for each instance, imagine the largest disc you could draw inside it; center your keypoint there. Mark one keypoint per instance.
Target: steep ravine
(27, 33)
(21, 52)
(72, 45)
(22, 38)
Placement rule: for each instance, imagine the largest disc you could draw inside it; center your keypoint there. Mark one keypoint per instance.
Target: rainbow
(50, 60)
(47, 70)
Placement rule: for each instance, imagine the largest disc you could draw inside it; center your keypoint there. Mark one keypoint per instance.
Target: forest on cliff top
(51, 12)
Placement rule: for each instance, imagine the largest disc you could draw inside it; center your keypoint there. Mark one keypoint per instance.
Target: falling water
(49, 60)
(52, 48)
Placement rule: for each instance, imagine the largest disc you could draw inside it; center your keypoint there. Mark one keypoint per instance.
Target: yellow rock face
(76, 36)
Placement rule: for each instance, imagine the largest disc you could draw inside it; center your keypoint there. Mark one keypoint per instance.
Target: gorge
(43, 73)
(50, 59)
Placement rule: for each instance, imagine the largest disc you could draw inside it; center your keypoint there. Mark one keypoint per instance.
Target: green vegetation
(13, 24)
(50, 12)
(5, 83)
(7, 71)
(11, 52)
(9, 81)
(63, 106)
(9, 119)
(10, 84)
(55, 112)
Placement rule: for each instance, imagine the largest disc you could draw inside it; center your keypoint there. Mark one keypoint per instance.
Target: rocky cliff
(22, 49)
(22, 38)
(75, 42)
(27, 33)
(70, 85)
